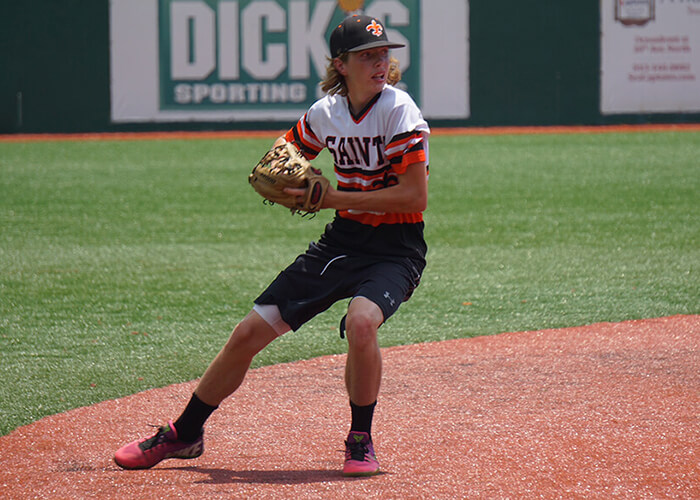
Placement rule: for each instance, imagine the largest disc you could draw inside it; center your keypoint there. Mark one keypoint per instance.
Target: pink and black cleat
(145, 453)
(360, 459)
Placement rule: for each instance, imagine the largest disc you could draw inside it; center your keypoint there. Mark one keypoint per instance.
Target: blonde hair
(334, 82)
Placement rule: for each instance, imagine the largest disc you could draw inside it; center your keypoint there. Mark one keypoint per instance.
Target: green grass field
(125, 265)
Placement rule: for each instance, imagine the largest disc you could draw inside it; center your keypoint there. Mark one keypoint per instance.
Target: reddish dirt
(609, 410)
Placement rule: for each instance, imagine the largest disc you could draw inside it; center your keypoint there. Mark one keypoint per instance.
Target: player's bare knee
(362, 330)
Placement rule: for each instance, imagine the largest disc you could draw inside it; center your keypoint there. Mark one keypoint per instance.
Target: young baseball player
(373, 252)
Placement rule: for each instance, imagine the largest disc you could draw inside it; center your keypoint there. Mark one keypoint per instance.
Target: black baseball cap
(359, 32)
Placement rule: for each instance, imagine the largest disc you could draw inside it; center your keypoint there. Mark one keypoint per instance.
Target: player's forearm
(372, 201)
(410, 195)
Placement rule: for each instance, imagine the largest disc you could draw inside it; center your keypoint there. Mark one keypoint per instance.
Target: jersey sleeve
(304, 137)
(408, 133)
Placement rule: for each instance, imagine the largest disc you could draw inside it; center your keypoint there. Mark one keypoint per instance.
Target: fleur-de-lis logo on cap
(375, 28)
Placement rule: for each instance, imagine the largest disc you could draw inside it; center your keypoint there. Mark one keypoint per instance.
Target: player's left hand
(284, 168)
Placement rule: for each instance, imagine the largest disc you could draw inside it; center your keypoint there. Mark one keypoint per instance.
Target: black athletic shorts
(324, 275)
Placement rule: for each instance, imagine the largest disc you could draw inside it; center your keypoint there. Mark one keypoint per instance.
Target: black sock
(189, 424)
(362, 418)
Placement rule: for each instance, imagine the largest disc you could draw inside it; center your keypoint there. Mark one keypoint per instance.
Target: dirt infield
(604, 411)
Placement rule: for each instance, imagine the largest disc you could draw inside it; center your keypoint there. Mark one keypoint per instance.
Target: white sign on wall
(254, 60)
(650, 56)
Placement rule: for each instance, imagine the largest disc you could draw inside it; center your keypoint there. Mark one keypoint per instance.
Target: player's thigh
(388, 285)
(251, 335)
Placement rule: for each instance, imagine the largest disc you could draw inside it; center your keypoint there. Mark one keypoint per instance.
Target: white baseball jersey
(369, 150)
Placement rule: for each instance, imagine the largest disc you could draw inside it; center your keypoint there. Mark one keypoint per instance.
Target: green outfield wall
(64, 64)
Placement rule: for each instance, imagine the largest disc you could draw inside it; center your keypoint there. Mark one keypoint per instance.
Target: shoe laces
(157, 439)
(357, 451)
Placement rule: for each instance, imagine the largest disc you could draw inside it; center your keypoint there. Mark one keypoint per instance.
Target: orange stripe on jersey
(375, 220)
(365, 181)
(365, 176)
(399, 143)
(398, 147)
(410, 159)
(289, 136)
(404, 150)
(414, 153)
(305, 139)
(297, 137)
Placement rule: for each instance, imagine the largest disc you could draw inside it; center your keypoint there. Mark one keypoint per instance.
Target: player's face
(368, 69)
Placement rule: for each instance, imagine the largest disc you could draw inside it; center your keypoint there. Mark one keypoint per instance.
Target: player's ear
(339, 66)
